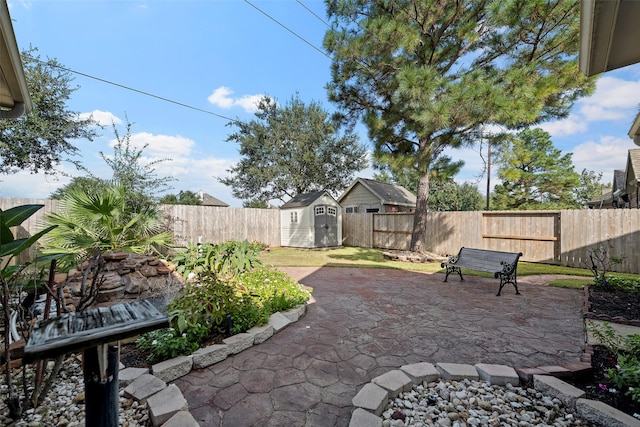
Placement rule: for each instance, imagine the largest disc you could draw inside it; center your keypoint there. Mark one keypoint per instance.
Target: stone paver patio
(366, 322)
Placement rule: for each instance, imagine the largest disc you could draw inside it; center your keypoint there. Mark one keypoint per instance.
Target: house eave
(14, 92)
(608, 35)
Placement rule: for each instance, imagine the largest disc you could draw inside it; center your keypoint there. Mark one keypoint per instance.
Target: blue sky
(220, 56)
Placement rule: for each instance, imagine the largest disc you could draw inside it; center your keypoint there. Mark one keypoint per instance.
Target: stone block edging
(371, 400)
(167, 406)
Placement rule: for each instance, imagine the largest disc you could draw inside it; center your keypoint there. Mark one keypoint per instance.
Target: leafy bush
(228, 259)
(205, 302)
(606, 335)
(626, 376)
(273, 288)
(169, 343)
(623, 283)
(264, 291)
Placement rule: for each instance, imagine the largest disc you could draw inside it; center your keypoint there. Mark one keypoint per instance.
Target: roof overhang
(609, 34)
(634, 132)
(14, 93)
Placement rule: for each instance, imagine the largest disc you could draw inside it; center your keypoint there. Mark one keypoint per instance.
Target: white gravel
(64, 404)
(476, 403)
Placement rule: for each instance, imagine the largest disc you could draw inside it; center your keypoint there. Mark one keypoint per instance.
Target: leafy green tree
(40, 140)
(182, 198)
(86, 184)
(255, 203)
(137, 178)
(292, 149)
(425, 75)
(443, 170)
(535, 174)
(91, 223)
(450, 196)
(590, 187)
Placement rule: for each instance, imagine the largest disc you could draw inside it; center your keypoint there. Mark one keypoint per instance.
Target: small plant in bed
(201, 314)
(615, 379)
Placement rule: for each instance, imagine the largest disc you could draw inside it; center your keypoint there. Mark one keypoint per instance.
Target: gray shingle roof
(209, 200)
(302, 200)
(389, 194)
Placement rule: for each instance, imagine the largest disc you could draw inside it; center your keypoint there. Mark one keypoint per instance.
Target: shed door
(326, 226)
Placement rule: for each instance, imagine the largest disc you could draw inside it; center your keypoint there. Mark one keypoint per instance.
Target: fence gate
(534, 233)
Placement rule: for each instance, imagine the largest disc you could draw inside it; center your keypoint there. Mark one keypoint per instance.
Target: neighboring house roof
(304, 200)
(389, 194)
(634, 132)
(603, 200)
(618, 180)
(209, 200)
(632, 172)
(14, 93)
(609, 34)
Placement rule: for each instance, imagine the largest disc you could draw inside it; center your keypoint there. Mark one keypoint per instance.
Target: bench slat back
(485, 260)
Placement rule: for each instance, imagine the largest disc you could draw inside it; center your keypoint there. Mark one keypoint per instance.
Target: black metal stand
(100, 370)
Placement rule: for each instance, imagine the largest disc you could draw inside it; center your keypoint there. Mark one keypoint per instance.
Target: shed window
(319, 210)
(331, 211)
(373, 210)
(351, 209)
(294, 217)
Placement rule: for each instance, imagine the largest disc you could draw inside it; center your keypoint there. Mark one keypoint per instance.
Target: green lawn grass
(369, 257)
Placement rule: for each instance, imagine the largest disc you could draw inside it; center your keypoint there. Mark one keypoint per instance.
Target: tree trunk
(419, 235)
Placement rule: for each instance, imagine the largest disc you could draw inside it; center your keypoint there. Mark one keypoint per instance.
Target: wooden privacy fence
(189, 224)
(559, 237)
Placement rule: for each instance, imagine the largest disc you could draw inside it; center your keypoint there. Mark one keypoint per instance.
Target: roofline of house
(11, 66)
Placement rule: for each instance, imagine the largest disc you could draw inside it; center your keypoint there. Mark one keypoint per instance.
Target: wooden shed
(311, 220)
(370, 196)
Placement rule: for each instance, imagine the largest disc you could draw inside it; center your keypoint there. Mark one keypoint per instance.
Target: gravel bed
(477, 403)
(64, 404)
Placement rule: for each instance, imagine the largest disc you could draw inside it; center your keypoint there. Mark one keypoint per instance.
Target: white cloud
(32, 186)
(614, 99)
(222, 98)
(103, 118)
(160, 146)
(569, 126)
(603, 156)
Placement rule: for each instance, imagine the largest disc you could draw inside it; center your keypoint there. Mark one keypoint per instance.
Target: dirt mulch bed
(612, 306)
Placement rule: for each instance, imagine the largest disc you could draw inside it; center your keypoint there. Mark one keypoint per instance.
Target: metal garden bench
(502, 265)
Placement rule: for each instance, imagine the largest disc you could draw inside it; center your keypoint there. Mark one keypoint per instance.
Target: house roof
(209, 200)
(618, 180)
(609, 32)
(603, 200)
(14, 93)
(633, 166)
(303, 200)
(389, 194)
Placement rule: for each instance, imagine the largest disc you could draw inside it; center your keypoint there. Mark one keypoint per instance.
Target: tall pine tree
(425, 75)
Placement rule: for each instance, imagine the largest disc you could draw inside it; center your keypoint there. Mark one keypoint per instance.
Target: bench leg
(508, 279)
(453, 269)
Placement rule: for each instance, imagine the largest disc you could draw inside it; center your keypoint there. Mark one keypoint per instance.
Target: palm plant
(100, 222)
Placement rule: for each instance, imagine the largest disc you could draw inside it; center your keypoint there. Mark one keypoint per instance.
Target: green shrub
(632, 345)
(626, 376)
(623, 283)
(168, 343)
(227, 259)
(205, 302)
(202, 309)
(247, 315)
(273, 288)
